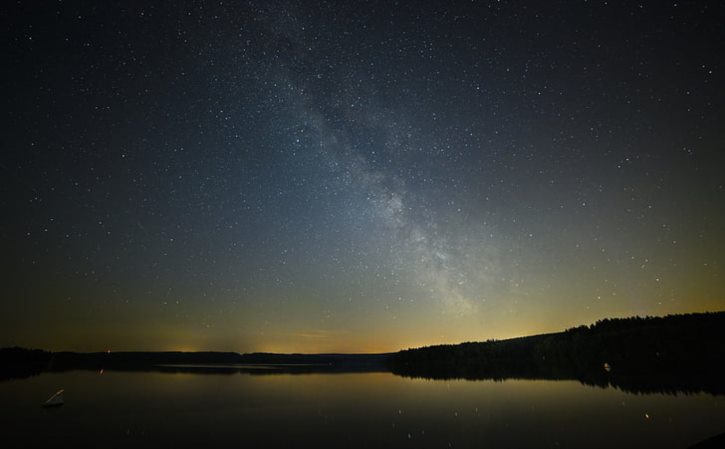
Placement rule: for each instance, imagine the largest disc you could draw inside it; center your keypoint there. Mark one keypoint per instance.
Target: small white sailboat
(55, 400)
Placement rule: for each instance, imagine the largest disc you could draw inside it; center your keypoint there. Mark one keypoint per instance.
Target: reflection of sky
(350, 410)
(295, 178)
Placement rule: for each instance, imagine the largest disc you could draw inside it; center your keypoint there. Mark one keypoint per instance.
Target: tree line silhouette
(676, 353)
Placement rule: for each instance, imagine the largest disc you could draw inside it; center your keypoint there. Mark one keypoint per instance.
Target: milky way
(314, 176)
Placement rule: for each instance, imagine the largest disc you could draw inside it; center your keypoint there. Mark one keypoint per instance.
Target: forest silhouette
(676, 353)
(672, 354)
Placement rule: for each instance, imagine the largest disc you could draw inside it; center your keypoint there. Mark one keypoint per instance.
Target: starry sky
(301, 176)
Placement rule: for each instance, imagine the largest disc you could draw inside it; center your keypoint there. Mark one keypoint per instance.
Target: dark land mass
(672, 354)
(19, 362)
(715, 442)
(676, 353)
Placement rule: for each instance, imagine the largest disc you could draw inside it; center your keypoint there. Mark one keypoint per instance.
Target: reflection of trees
(679, 353)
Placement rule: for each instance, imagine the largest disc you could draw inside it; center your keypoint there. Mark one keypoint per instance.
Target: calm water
(377, 410)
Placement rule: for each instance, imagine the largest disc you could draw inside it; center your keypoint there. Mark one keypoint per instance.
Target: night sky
(329, 176)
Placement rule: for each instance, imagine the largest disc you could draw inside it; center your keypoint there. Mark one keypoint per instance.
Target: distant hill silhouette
(676, 353)
(19, 362)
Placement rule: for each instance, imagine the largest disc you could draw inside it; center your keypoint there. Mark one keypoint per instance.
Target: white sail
(56, 399)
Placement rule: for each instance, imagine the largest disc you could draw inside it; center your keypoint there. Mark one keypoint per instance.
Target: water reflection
(680, 382)
(641, 383)
(373, 409)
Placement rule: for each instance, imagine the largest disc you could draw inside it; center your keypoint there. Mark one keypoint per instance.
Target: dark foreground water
(376, 410)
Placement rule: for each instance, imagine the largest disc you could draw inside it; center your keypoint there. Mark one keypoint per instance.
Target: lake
(350, 410)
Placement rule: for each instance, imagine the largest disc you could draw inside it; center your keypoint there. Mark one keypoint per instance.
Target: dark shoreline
(677, 354)
(21, 363)
(672, 354)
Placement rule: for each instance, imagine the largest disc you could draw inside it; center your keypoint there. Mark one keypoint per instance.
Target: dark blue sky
(314, 176)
